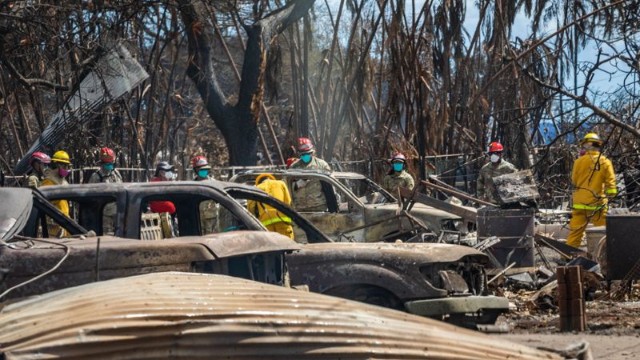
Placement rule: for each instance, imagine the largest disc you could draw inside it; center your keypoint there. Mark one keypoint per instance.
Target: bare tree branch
(604, 114)
(537, 44)
(32, 82)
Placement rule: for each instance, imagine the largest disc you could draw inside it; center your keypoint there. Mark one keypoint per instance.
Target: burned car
(359, 210)
(433, 280)
(31, 263)
(195, 316)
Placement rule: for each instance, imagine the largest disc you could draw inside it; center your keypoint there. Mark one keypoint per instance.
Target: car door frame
(312, 233)
(129, 199)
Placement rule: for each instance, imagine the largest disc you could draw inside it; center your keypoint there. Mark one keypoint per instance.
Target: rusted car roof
(179, 315)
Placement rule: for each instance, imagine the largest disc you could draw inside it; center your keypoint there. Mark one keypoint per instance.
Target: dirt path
(609, 347)
(613, 329)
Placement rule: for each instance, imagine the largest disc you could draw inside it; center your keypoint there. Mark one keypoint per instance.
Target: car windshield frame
(247, 192)
(346, 176)
(39, 206)
(134, 192)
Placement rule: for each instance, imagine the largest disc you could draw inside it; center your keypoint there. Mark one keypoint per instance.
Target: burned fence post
(571, 299)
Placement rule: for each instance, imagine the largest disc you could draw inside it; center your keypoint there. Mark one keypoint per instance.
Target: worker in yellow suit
(594, 182)
(271, 218)
(59, 169)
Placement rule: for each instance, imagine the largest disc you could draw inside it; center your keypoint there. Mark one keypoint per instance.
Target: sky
(522, 30)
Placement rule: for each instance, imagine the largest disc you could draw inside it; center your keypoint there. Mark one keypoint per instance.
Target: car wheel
(367, 294)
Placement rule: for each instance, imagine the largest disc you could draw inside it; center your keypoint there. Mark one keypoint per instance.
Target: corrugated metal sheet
(114, 75)
(179, 315)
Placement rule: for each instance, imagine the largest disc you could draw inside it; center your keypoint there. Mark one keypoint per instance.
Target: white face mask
(169, 176)
(494, 158)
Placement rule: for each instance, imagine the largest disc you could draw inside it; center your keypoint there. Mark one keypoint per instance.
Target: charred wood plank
(468, 214)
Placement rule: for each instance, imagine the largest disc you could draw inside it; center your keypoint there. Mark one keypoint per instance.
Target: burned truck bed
(31, 265)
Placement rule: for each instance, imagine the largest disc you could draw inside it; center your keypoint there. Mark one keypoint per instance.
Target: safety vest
(275, 220)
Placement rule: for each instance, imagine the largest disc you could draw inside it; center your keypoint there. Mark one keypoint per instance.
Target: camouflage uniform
(209, 211)
(392, 182)
(110, 211)
(310, 197)
(486, 188)
(208, 216)
(101, 176)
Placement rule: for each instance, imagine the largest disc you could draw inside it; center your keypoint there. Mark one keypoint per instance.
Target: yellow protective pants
(580, 219)
(282, 227)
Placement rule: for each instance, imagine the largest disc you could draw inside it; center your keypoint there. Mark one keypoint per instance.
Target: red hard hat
(398, 157)
(39, 156)
(107, 155)
(305, 145)
(199, 162)
(495, 147)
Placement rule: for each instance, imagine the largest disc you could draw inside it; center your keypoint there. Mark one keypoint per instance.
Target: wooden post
(571, 299)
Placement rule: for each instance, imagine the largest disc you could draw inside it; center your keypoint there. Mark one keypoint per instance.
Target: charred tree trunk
(237, 122)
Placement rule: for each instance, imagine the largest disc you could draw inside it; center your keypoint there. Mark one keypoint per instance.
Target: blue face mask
(397, 166)
(306, 158)
(108, 167)
(203, 173)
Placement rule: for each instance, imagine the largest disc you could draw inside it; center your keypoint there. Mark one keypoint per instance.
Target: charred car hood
(237, 243)
(418, 252)
(15, 211)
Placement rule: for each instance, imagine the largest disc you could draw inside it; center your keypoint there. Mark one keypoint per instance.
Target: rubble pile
(610, 304)
(535, 297)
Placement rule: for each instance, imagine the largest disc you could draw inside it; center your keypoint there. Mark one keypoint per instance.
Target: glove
(300, 183)
(33, 182)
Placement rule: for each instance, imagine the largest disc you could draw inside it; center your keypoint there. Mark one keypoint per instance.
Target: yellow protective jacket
(593, 180)
(265, 213)
(52, 178)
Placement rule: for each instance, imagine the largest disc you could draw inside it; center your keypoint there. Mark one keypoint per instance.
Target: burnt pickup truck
(435, 280)
(359, 210)
(443, 281)
(32, 263)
